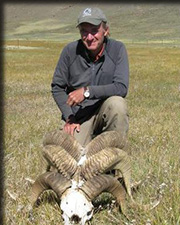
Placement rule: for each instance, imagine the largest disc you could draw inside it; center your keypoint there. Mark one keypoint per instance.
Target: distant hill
(58, 21)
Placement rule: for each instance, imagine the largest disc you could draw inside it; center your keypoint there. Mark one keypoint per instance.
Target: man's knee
(116, 104)
(115, 114)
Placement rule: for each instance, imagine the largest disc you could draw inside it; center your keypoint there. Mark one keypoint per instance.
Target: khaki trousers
(112, 115)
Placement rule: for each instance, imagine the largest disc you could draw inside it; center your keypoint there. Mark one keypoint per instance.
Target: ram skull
(78, 175)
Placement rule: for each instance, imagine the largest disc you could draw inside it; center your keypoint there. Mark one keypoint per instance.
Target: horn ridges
(105, 183)
(64, 140)
(60, 159)
(49, 180)
(105, 140)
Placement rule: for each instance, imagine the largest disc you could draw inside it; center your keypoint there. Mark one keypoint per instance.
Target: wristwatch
(86, 92)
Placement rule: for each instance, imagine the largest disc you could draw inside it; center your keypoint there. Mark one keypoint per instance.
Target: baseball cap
(91, 15)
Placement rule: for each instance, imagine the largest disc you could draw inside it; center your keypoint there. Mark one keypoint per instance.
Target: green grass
(154, 134)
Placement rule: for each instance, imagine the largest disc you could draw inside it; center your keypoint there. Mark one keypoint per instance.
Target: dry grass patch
(154, 134)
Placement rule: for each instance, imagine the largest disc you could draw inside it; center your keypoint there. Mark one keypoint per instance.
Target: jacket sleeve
(59, 84)
(120, 82)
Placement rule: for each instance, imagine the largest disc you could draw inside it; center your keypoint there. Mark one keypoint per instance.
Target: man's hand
(71, 125)
(75, 97)
(70, 128)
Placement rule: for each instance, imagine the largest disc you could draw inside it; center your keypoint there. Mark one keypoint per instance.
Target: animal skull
(76, 208)
(77, 177)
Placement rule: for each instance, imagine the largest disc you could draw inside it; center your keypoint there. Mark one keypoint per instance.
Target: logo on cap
(87, 12)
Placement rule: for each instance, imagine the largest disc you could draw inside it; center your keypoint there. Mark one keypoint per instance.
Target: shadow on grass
(49, 197)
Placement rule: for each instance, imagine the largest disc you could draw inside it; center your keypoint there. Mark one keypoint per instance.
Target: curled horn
(104, 140)
(64, 140)
(104, 161)
(49, 180)
(105, 183)
(60, 159)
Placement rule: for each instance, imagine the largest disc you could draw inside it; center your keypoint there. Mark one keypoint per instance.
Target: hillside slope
(58, 21)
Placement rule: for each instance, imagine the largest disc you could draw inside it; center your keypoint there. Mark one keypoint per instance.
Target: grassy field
(154, 134)
(128, 21)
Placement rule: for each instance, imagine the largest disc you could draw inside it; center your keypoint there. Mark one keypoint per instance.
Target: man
(91, 80)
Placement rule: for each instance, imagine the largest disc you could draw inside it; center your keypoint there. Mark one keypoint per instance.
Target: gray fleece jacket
(106, 77)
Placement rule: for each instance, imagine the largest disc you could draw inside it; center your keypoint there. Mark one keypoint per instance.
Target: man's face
(92, 36)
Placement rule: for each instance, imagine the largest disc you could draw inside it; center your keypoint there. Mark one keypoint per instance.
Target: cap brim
(89, 20)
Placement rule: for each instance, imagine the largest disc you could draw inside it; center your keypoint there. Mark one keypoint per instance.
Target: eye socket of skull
(89, 213)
